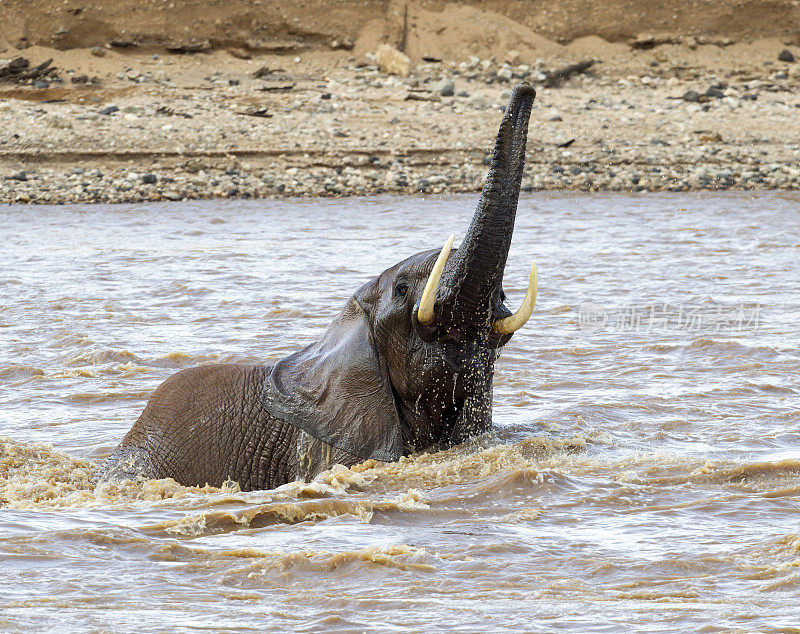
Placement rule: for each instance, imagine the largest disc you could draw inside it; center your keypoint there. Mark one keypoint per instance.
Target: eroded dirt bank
(284, 24)
(267, 100)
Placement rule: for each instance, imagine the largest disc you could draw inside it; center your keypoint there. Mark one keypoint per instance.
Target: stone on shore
(445, 87)
(350, 129)
(393, 62)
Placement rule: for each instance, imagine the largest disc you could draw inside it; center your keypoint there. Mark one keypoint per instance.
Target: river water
(645, 468)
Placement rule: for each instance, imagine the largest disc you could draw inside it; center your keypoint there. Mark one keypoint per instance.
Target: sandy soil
(161, 112)
(280, 25)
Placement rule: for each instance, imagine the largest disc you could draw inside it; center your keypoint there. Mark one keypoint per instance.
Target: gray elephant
(406, 366)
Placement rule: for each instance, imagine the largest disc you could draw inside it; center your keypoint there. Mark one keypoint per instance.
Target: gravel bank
(204, 126)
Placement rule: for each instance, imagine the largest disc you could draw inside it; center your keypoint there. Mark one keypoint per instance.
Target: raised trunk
(472, 281)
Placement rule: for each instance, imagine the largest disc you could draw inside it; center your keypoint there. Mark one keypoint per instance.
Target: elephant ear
(338, 390)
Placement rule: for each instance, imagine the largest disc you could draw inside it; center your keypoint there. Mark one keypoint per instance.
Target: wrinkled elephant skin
(401, 369)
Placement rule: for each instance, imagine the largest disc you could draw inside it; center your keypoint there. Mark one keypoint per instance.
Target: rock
(555, 77)
(41, 84)
(691, 95)
(188, 47)
(512, 57)
(505, 73)
(346, 44)
(19, 176)
(194, 165)
(257, 112)
(393, 62)
(264, 71)
(240, 53)
(786, 55)
(98, 51)
(420, 95)
(171, 195)
(445, 87)
(714, 93)
(149, 179)
(477, 100)
(643, 41)
(109, 110)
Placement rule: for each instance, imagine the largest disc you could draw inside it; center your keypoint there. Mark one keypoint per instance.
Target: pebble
(445, 87)
(786, 56)
(393, 62)
(323, 148)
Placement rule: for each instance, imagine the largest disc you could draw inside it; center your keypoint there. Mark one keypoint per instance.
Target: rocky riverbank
(118, 126)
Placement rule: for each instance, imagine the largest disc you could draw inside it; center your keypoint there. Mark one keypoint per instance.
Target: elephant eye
(401, 289)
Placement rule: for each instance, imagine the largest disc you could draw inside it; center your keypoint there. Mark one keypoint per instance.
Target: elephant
(406, 366)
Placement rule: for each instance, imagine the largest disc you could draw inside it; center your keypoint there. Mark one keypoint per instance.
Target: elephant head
(408, 364)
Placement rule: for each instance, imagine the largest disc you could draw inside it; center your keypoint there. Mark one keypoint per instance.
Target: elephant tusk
(426, 304)
(509, 325)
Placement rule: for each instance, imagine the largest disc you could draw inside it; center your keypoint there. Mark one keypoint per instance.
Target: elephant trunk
(470, 292)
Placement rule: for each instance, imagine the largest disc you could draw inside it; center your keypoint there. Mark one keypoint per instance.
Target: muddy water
(645, 469)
